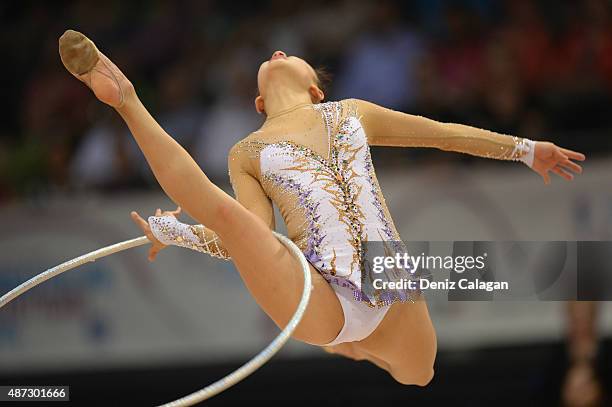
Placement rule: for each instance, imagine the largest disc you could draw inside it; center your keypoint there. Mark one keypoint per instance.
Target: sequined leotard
(314, 163)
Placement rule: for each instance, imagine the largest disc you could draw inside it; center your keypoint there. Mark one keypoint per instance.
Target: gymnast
(312, 159)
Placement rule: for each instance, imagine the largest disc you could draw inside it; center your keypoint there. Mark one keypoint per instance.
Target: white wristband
(529, 152)
(169, 231)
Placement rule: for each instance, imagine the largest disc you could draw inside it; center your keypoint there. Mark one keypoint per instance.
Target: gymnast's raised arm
(386, 127)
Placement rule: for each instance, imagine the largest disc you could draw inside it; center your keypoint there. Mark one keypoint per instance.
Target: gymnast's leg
(404, 344)
(266, 266)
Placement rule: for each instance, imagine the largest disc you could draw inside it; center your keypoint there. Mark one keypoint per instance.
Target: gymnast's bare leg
(267, 268)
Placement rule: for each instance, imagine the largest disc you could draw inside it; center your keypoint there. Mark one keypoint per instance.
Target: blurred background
(123, 331)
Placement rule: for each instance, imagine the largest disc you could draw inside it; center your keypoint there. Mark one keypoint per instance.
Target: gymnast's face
(290, 72)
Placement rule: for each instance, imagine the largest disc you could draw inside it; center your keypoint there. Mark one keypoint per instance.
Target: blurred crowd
(538, 69)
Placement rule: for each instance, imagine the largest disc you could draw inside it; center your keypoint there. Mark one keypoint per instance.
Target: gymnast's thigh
(274, 277)
(406, 339)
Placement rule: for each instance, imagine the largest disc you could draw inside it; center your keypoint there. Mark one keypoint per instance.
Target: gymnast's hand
(156, 245)
(549, 157)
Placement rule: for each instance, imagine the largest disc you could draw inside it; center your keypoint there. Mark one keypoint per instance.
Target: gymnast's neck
(280, 98)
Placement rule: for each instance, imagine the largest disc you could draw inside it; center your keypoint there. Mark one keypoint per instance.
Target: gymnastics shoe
(83, 60)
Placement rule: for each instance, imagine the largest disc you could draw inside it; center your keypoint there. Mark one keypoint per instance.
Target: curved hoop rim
(224, 383)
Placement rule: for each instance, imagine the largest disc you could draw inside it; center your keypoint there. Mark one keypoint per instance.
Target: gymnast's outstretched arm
(386, 127)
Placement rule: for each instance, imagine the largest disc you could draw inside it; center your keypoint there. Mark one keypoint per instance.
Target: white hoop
(229, 380)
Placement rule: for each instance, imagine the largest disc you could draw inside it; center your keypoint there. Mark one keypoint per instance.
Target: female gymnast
(311, 159)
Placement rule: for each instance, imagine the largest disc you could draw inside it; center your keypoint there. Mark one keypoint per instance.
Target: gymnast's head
(282, 74)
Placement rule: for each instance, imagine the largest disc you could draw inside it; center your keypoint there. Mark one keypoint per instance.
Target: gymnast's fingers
(564, 174)
(139, 221)
(174, 213)
(158, 212)
(546, 177)
(574, 155)
(153, 253)
(571, 166)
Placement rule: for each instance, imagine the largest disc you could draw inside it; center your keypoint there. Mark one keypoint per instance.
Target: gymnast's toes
(78, 53)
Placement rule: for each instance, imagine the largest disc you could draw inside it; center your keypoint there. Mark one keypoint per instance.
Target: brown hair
(323, 78)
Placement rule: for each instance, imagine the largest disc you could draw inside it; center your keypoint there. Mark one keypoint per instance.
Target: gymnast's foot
(82, 59)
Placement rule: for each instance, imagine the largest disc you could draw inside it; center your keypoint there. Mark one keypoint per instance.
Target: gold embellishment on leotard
(249, 146)
(331, 113)
(349, 108)
(336, 176)
(332, 263)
